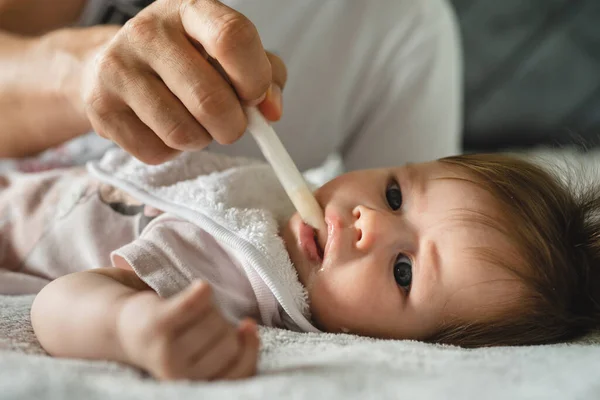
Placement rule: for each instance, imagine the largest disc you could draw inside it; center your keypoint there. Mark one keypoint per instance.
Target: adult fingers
(272, 105)
(121, 125)
(279, 70)
(162, 112)
(207, 95)
(245, 366)
(233, 41)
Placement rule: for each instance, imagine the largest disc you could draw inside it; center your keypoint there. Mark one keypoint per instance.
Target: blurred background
(532, 72)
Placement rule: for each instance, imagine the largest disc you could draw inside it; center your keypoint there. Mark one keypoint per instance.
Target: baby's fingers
(245, 366)
(212, 363)
(188, 306)
(198, 338)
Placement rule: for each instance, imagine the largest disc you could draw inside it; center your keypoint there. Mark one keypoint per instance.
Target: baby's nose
(370, 226)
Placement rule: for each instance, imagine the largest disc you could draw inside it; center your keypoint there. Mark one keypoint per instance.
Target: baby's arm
(111, 314)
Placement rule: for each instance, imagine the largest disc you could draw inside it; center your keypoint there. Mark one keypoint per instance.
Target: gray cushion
(532, 72)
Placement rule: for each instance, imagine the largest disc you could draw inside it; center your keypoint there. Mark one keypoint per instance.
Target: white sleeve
(378, 81)
(164, 256)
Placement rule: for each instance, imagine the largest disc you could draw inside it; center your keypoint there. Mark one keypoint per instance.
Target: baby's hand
(186, 337)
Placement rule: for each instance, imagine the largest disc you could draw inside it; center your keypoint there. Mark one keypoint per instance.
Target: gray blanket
(312, 366)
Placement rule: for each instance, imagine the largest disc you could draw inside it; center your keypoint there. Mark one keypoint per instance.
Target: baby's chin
(328, 319)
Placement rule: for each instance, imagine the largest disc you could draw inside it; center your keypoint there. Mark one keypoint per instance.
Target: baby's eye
(403, 272)
(393, 195)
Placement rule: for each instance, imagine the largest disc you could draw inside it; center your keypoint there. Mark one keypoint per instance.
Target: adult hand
(152, 91)
(186, 337)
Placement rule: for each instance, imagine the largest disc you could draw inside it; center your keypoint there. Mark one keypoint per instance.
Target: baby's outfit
(201, 216)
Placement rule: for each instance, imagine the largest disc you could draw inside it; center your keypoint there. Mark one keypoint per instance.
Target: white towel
(238, 201)
(312, 366)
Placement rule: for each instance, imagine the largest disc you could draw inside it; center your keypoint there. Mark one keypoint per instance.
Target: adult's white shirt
(379, 82)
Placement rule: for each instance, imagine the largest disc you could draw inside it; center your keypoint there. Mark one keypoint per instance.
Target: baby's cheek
(335, 307)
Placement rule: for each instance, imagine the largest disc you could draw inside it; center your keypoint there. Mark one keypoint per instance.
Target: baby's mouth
(321, 239)
(319, 247)
(312, 242)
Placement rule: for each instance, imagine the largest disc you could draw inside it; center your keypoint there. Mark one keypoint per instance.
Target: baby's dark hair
(554, 224)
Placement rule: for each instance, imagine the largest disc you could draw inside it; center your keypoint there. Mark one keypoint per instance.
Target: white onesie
(222, 225)
(200, 216)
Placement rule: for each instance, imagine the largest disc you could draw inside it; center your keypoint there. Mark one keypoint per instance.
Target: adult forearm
(40, 101)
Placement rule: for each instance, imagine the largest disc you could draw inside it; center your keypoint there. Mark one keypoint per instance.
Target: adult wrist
(71, 53)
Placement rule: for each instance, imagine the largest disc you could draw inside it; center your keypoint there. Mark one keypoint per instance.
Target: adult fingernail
(274, 96)
(259, 100)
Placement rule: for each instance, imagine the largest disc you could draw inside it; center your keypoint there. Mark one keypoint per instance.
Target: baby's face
(398, 258)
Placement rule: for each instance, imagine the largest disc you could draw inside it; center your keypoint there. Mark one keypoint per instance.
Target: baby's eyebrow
(431, 269)
(411, 172)
(416, 185)
(431, 265)
(436, 259)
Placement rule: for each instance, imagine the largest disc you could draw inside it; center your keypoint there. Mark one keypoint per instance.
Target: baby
(474, 250)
